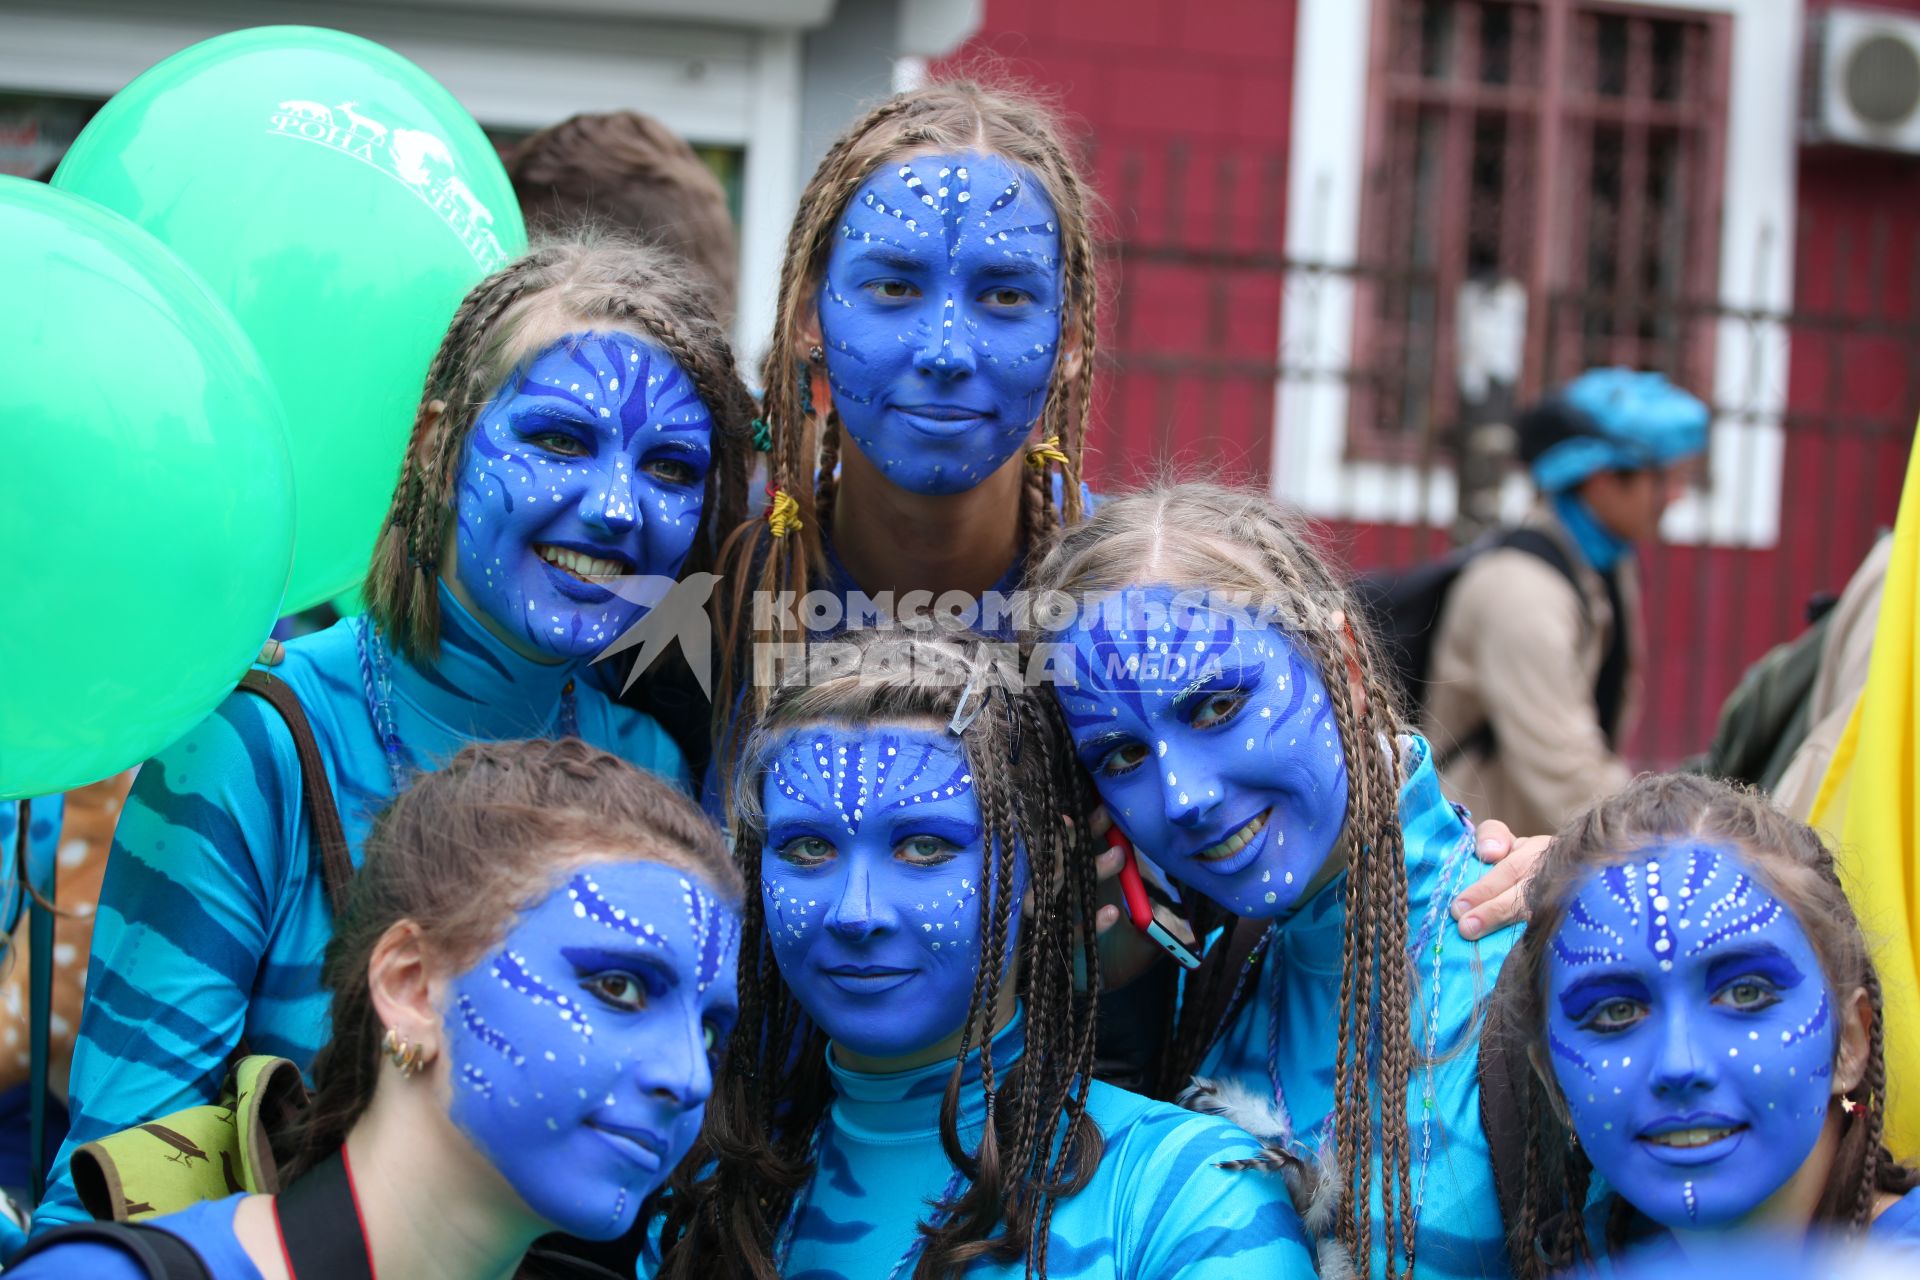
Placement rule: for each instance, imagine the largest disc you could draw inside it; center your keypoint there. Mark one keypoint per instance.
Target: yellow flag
(1869, 805)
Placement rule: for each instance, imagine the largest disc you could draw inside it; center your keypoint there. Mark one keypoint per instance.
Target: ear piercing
(816, 355)
(410, 1058)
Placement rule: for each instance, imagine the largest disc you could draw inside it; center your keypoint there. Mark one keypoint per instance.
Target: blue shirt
(207, 1227)
(1459, 1230)
(1157, 1208)
(213, 918)
(1899, 1226)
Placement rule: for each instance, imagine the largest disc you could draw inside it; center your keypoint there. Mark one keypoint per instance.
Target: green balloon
(341, 203)
(146, 498)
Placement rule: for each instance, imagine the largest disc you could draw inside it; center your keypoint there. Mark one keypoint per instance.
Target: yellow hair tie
(783, 516)
(1046, 453)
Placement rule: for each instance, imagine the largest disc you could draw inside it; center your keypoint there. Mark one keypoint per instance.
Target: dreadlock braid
(944, 116)
(1787, 858)
(726, 1202)
(559, 289)
(1211, 537)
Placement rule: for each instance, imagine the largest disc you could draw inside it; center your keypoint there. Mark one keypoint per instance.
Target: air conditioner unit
(1863, 83)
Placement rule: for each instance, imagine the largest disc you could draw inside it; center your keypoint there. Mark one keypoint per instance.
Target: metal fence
(1193, 361)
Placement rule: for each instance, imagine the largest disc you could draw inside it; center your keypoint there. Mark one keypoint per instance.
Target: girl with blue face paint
(910, 1091)
(1231, 717)
(929, 376)
(532, 984)
(582, 433)
(1705, 1026)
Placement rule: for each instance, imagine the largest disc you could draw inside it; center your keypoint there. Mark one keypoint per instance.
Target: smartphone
(1140, 906)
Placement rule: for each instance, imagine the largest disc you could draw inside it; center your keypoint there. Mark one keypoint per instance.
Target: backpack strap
(162, 1254)
(320, 1225)
(1609, 685)
(323, 815)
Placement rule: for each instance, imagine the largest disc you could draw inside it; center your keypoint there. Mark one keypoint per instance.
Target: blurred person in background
(1538, 647)
(636, 175)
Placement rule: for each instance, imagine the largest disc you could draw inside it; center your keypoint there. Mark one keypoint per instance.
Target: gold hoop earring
(409, 1057)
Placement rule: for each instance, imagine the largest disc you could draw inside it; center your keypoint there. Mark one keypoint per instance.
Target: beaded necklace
(376, 681)
(1443, 891)
(783, 1243)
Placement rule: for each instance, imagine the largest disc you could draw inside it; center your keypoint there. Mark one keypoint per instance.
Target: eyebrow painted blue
(940, 316)
(873, 880)
(1691, 1033)
(589, 463)
(1212, 741)
(583, 1045)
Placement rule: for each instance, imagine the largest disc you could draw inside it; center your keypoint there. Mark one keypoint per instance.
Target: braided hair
(1548, 1232)
(1216, 538)
(593, 280)
(803, 429)
(727, 1201)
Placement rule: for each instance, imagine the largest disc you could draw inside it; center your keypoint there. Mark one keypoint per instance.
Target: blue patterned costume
(1459, 1231)
(207, 1226)
(213, 918)
(1157, 1207)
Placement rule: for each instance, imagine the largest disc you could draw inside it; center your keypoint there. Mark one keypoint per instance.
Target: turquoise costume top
(207, 1227)
(1158, 1207)
(213, 918)
(1459, 1231)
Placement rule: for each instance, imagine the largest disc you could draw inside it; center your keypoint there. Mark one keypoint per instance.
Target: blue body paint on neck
(1213, 744)
(1601, 548)
(1692, 1033)
(582, 1048)
(940, 317)
(873, 877)
(590, 463)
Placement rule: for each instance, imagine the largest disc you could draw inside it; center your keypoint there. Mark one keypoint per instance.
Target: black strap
(323, 816)
(160, 1253)
(320, 1225)
(1609, 685)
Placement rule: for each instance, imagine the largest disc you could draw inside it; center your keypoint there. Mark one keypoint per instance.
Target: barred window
(1543, 195)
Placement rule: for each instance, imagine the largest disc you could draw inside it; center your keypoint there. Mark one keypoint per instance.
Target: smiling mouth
(584, 567)
(1234, 843)
(1689, 1139)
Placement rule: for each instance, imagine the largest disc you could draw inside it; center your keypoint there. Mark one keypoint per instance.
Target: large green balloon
(341, 203)
(146, 500)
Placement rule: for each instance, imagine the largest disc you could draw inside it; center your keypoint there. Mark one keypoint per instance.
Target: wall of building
(1184, 112)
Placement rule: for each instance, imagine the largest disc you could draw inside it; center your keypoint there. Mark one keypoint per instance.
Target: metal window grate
(1543, 192)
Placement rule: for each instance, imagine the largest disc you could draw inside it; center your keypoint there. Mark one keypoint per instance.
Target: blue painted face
(872, 876)
(1212, 742)
(1692, 1033)
(940, 316)
(583, 1049)
(589, 465)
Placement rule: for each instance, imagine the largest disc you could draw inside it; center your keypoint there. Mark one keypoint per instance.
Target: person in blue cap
(1538, 646)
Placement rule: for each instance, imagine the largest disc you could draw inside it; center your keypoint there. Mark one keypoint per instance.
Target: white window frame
(1326, 169)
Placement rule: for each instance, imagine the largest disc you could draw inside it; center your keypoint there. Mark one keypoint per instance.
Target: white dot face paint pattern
(1212, 740)
(940, 316)
(589, 464)
(1690, 1028)
(583, 1046)
(873, 876)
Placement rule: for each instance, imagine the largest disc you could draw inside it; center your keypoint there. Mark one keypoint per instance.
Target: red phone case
(1140, 907)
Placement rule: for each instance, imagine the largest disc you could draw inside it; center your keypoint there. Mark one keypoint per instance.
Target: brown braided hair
(1788, 857)
(460, 854)
(596, 280)
(1215, 538)
(729, 1198)
(952, 116)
